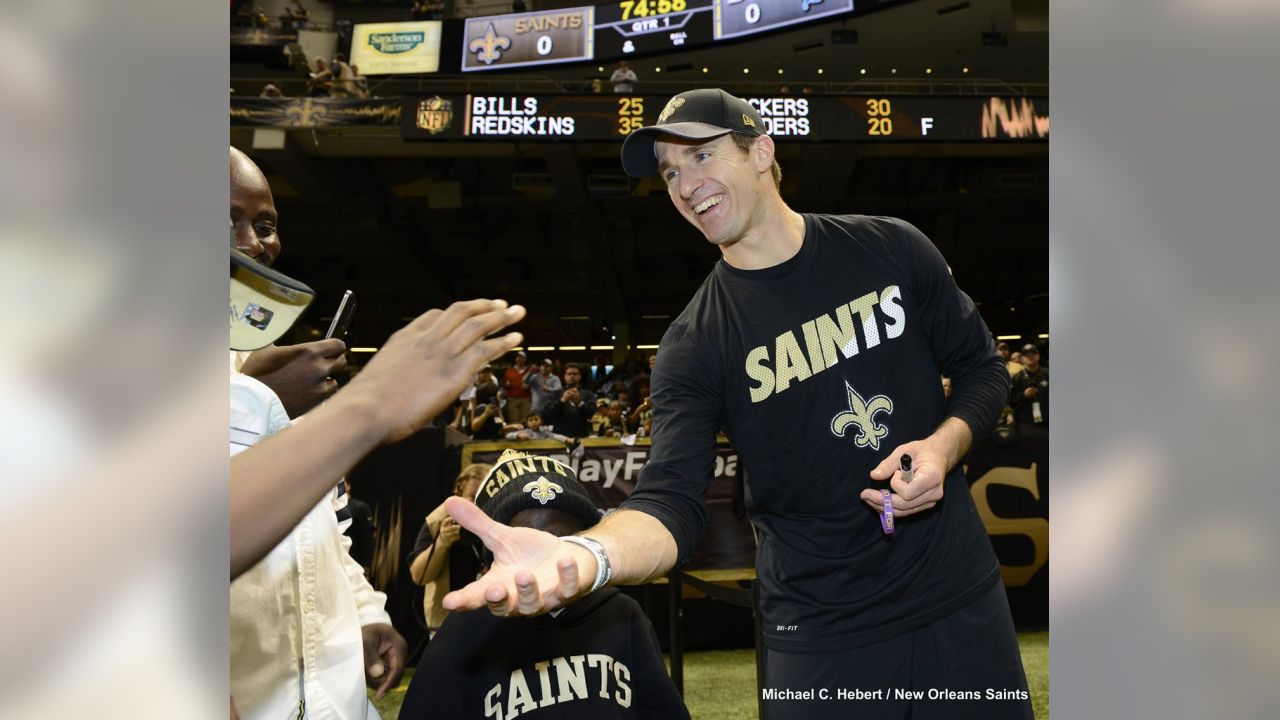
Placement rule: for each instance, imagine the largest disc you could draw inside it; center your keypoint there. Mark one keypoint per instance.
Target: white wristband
(603, 570)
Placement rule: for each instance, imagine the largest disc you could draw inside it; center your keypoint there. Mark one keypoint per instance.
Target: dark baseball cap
(692, 115)
(520, 481)
(1030, 348)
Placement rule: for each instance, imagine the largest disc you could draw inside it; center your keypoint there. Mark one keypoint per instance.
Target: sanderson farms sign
(396, 48)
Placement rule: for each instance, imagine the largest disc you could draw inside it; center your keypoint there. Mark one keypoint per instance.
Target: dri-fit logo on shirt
(827, 341)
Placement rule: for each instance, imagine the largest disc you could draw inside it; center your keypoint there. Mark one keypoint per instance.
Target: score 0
(752, 12)
(630, 114)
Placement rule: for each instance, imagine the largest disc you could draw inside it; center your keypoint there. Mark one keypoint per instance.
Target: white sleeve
(371, 605)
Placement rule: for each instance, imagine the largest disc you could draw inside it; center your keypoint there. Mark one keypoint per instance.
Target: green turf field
(721, 684)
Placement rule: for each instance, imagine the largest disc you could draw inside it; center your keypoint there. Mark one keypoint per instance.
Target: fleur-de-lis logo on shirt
(542, 490)
(862, 415)
(489, 46)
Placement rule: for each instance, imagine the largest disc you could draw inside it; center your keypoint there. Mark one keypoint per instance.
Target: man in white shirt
(307, 629)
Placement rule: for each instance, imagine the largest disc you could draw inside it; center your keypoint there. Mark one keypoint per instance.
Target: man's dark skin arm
(418, 372)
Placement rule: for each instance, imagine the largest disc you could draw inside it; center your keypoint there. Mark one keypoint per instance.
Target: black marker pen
(906, 468)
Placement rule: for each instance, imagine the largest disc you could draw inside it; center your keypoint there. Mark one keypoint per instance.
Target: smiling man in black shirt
(815, 344)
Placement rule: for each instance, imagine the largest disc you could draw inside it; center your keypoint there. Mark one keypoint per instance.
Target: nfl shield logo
(435, 114)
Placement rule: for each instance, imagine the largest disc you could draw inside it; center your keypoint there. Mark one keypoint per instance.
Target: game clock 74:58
(628, 27)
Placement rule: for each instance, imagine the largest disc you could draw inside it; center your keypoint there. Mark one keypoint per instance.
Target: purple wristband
(886, 517)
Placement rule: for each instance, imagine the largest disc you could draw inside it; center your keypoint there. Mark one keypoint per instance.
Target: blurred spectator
(571, 413)
(615, 390)
(545, 386)
(270, 91)
(624, 79)
(438, 562)
(519, 401)
(642, 416)
(320, 81)
(534, 430)
(1029, 395)
(1016, 358)
(435, 9)
(946, 388)
(343, 78)
(597, 86)
(1002, 349)
(361, 530)
(518, 6)
(261, 19)
(806, 90)
(784, 90)
(295, 16)
(640, 378)
(359, 83)
(600, 420)
(418, 11)
(487, 423)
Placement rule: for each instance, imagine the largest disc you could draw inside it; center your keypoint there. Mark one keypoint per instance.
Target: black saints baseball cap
(692, 115)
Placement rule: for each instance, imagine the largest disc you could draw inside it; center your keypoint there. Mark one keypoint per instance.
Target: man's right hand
(533, 571)
(1030, 392)
(300, 375)
(423, 367)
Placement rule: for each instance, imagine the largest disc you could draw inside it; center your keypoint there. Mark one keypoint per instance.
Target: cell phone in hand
(342, 318)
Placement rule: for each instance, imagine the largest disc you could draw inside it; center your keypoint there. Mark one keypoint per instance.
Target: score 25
(630, 114)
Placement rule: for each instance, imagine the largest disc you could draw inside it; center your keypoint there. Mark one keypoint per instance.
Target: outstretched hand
(533, 572)
(422, 367)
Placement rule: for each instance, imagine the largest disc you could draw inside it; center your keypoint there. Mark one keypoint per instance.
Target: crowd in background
(551, 400)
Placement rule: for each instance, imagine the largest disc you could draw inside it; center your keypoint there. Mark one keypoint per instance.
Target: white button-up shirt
(296, 615)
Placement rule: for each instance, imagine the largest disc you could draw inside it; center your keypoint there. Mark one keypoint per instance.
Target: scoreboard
(872, 118)
(626, 27)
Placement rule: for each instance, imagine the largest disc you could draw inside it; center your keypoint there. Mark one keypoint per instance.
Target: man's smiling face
(713, 183)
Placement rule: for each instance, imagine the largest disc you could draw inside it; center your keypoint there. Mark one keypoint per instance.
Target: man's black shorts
(965, 665)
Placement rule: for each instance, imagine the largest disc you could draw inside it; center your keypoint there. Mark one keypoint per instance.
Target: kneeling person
(596, 658)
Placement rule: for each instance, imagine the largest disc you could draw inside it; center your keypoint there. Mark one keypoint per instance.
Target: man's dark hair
(575, 366)
(744, 144)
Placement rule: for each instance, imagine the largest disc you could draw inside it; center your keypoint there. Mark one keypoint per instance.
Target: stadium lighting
(705, 70)
(863, 71)
(964, 70)
(746, 71)
(928, 71)
(819, 71)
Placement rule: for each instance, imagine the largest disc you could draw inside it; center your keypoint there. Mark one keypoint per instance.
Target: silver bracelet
(603, 570)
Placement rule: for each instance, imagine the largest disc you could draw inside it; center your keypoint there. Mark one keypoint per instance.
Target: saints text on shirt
(828, 339)
(574, 679)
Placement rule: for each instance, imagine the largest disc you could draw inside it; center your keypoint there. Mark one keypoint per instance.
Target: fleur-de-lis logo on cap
(671, 107)
(488, 47)
(542, 489)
